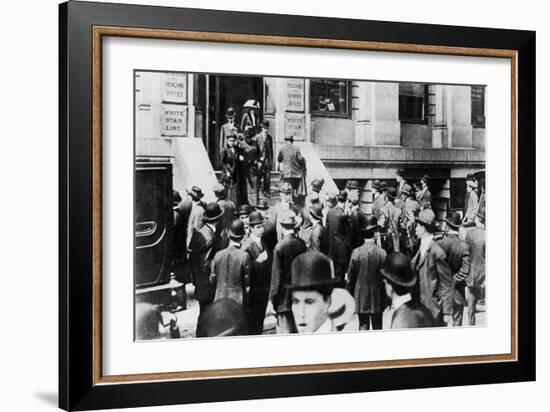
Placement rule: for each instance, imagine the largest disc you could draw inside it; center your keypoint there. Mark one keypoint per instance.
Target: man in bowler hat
(436, 279)
(286, 250)
(364, 278)
(339, 233)
(231, 268)
(227, 128)
(265, 161)
(475, 282)
(291, 163)
(204, 245)
(400, 281)
(318, 240)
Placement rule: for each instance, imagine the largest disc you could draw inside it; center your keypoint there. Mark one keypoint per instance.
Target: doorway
(224, 92)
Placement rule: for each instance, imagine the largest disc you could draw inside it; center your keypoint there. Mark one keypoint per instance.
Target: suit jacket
(230, 162)
(292, 160)
(436, 282)
(204, 245)
(412, 314)
(285, 252)
(339, 232)
(390, 216)
(276, 214)
(365, 279)
(458, 256)
(355, 225)
(228, 209)
(195, 218)
(475, 239)
(225, 131)
(260, 276)
(231, 270)
(266, 150)
(318, 241)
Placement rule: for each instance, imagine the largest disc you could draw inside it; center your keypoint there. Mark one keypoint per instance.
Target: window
(478, 106)
(330, 97)
(412, 102)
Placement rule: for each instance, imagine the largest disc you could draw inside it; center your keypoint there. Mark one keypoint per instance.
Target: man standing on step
(265, 162)
(291, 163)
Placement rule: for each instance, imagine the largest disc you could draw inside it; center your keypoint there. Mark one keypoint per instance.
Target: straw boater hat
(427, 219)
(397, 269)
(310, 270)
(212, 213)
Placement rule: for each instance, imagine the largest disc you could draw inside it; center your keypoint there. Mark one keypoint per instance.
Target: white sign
(174, 87)
(295, 125)
(173, 120)
(295, 95)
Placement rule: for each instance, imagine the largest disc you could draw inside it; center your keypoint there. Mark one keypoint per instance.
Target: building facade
(360, 130)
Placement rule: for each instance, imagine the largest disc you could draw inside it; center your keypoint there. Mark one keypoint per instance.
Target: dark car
(154, 227)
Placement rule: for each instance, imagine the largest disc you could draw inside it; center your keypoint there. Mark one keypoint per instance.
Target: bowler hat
(316, 184)
(219, 189)
(230, 112)
(376, 184)
(262, 205)
(368, 223)
(212, 212)
(285, 188)
(195, 192)
(383, 187)
(236, 229)
(400, 172)
(342, 196)
(265, 123)
(453, 219)
(289, 219)
(316, 211)
(392, 193)
(244, 210)
(255, 218)
(310, 270)
(427, 218)
(397, 269)
(224, 317)
(354, 184)
(289, 138)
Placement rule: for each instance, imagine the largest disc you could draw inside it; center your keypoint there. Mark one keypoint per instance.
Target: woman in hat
(251, 118)
(472, 204)
(424, 196)
(317, 307)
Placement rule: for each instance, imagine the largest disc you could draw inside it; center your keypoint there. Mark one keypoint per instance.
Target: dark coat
(292, 160)
(339, 232)
(266, 150)
(248, 120)
(458, 256)
(225, 131)
(475, 239)
(202, 248)
(230, 162)
(355, 227)
(228, 209)
(390, 216)
(179, 244)
(276, 214)
(412, 314)
(260, 282)
(436, 282)
(285, 252)
(365, 279)
(231, 270)
(318, 241)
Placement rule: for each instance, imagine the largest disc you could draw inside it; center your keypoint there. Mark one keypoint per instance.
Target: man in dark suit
(339, 233)
(231, 268)
(355, 221)
(284, 204)
(227, 128)
(364, 278)
(436, 280)
(318, 240)
(458, 259)
(286, 250)
(265, 144)
(204, 245)
(228, 209)
(380, 200)
(475, 282)
(260, 277)
(247, 168)
(399, 281)
(230, 168)
(291, 163)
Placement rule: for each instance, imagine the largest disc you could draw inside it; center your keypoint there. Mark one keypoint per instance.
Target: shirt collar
(401, 300)
(326, 327)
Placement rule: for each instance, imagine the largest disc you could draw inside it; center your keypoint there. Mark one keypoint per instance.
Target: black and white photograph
(277, 205)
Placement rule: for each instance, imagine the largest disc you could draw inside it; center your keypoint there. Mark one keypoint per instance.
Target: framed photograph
(256, 206)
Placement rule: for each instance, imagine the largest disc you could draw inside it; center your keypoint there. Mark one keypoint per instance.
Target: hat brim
(425, 224)
(369, 229)
(392, 278)
(329, 282)
(213, 218)
(453, 225)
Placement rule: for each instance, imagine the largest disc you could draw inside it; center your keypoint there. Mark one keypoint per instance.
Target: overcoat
(292, 161)
(475, 239)
(204, 245)
(266, 149)
(228, 209)
(277, 212)
(283, 255)
(365, 279)
(339, 232)
(436, 282)
(355, 218)
(225, 131)
(248, 158)
(231, 270)
(412, 314)
(318, 241)
(390, 216)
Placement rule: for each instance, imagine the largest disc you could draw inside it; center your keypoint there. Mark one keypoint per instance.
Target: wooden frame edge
(98, 32)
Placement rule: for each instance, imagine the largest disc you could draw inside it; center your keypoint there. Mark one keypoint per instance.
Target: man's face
(419, 230)
(309, 309)
(264, 130)
(258, 230)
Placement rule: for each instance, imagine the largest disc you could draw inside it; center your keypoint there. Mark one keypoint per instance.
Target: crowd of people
(328, 265)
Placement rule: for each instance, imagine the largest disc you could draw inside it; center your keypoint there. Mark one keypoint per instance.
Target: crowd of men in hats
(327, 265)
(247, 157)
